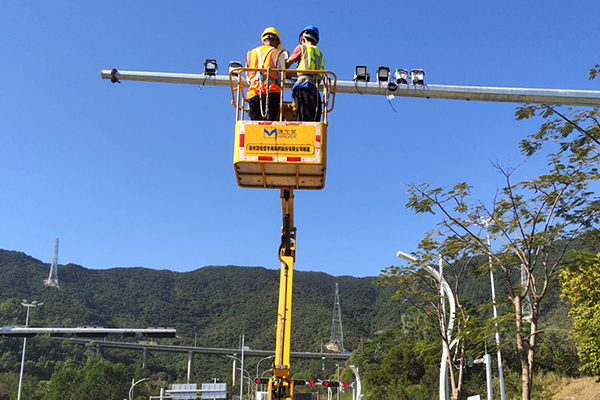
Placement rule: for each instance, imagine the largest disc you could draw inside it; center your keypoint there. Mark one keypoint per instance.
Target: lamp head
(405, 256)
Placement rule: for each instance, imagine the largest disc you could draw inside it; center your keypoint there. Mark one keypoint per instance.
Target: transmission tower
(337, 336)
(53, 276)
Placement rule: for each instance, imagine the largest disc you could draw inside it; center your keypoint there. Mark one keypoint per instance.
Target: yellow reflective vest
(263, 57)
(313, 59)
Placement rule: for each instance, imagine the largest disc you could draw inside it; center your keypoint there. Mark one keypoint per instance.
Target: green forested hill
(214, 303)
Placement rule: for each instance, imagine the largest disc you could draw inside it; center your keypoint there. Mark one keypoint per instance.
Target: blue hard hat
(311, 32)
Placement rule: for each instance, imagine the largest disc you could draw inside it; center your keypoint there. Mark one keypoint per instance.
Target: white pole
(444, 392)
(358, 386)
(338, 376)
(133, 383)
(242, 371)
(487, 359)
(443, 324)
(22, 363)
(28, 305)
(499, 355)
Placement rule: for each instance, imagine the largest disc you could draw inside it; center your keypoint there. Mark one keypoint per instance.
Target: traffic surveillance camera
(417, 76)
(401, 76)
(234, 65)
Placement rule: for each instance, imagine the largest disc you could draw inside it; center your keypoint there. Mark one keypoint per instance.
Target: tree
(581, 287)
(533, 221)
(98, 379)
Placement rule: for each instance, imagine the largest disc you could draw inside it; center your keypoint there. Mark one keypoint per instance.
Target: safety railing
(239, 84)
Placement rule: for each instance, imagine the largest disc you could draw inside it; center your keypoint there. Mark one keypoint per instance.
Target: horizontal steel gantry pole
(587, 98)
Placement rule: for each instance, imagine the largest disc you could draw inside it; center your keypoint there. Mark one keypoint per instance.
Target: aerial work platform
(280, 154)
(283, 154)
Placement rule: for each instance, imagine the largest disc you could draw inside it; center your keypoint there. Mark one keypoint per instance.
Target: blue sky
(140, 174)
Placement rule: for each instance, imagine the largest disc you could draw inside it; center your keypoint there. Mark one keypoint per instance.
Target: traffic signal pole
(587, 98)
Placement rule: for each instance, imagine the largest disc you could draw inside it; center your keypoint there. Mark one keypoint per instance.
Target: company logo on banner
(279, 133)
(266, 131)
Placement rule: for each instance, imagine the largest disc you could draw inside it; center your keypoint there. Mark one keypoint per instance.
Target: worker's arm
(295, 57)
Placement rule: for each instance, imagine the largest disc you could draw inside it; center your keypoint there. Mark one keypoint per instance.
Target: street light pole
(500, 374)
(234, 358)
(257, 365)
(28, 305)
(133, 383)
(445, 288)
(242, 374)
(338, 378)
(262, 359)
(358, 385)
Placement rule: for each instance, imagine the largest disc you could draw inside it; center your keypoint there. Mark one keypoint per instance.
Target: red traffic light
(261, 381)
(331, 384)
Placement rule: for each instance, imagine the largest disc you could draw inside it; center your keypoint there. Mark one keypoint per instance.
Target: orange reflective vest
(263, 57)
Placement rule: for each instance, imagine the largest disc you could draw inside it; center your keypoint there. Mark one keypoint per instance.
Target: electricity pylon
(53, 276)
(337, 336)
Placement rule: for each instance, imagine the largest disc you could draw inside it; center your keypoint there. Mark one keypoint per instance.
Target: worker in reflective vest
(264, 93)
(305, 92)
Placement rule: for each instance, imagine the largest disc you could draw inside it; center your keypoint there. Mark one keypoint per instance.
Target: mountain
(214, 303)
(212, 306)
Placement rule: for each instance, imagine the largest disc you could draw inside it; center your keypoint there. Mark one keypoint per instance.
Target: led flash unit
(361, 74)
(383, 74)
(210, 67)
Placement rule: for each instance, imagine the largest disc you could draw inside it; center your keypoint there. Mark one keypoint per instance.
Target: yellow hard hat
(271, 32)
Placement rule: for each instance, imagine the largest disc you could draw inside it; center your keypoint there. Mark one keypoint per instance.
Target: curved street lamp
(445, 290)
(262, 359)
(133, 383)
